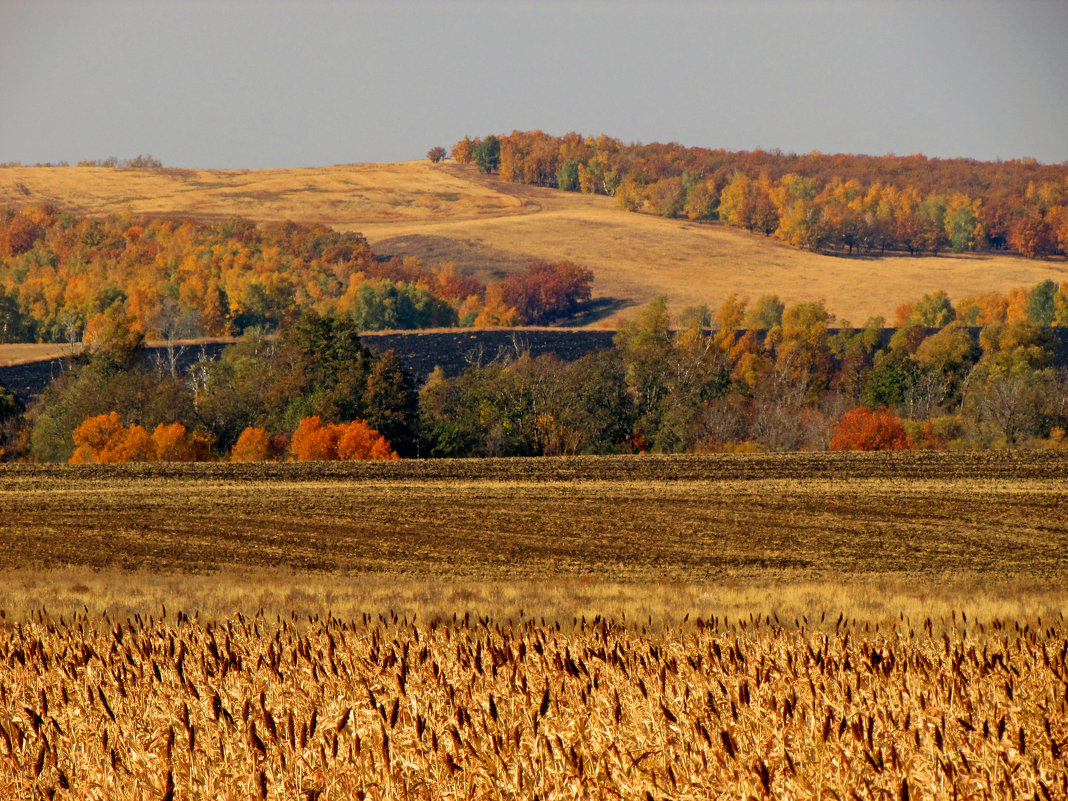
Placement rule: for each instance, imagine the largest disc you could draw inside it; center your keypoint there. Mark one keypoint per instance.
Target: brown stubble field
(922, 519)
(695, 526)
(450, 212)
(797, 626)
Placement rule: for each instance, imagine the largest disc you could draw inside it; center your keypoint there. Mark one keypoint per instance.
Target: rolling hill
(489, 228)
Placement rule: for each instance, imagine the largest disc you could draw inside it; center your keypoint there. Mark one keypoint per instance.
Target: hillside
(450, 212)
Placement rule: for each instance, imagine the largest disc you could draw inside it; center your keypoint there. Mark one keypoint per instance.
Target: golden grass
(660, 604)
(164, 706)
(802, 626)
(24, 353)
(330, 195)
(450, 212)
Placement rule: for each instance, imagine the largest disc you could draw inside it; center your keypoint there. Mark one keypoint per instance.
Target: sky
(236, 84)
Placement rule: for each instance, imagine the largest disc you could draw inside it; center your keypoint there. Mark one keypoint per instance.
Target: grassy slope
(450, 212)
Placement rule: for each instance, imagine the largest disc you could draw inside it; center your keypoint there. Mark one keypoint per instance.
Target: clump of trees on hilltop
(61, 275)
(840, 203)
(982, 373)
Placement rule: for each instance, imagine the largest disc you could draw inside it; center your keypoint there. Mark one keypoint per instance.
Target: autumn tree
(815, 201)
(314, 442)
(358, 441)
(1032, 235)
(463, 151)
(766, 313)
(1009, 392)
(355, 440)
(933, 310)
(736, 202)
(546, 291)
(105, 439)
(436, 154)
(962, 220)
(253, 445)
(95, 435)
(172, 443)
(864, 429)
(95, 384)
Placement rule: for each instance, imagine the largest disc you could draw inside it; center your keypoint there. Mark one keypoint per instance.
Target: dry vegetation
(681, 518)
(329, 195)
(25, 352)
(823, 625)
(389, 708)
(450, 212)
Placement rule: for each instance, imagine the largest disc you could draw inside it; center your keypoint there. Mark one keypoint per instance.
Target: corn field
(174, 708)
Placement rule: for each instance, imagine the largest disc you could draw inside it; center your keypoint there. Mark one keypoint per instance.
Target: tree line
(62, 275)
(831, 203)
(138, 162)
(759, 375)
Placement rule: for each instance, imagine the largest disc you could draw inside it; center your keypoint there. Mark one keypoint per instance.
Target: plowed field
(914, 520)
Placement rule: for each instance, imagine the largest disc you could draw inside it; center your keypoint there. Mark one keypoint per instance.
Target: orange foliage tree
(254, 445)
(94, 436)
(135, 445)
(865, 429)
(172, 443)
(313, 441)
(358, 441)
(104, 439)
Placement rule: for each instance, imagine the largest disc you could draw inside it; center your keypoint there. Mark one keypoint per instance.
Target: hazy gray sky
(281, 84)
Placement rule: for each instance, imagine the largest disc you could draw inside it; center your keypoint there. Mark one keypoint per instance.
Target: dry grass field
(171, 707)
(449, 212)
(802, 626)
(26, 352)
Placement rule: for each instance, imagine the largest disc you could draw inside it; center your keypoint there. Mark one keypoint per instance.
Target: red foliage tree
(865, 429)
(546, 291)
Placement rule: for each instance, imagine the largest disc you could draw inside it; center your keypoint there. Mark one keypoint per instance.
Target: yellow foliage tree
(172, 443)
(252, 446)
(496, 312)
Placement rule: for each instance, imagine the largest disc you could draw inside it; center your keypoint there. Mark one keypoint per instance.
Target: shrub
(134, 445)
(252, 446)
(94, 436)
(358, 441)
(865, 429)
(172, 443)
(104, 439)
(313, 441)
